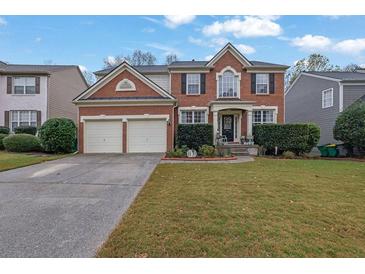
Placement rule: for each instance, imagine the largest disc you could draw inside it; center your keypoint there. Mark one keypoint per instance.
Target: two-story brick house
(137, 109)
(31, 94)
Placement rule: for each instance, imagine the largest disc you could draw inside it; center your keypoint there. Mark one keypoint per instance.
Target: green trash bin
(332, 150)
(323, 150)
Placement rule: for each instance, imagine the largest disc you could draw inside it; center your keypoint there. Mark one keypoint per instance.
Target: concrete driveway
(67, 207)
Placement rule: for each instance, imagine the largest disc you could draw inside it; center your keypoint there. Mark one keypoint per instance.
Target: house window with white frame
(24, 85)
(193, 117)
(263, 117)
(327, 98)
(228, 84)
(262, 83)
(193, 84)
(22, 118)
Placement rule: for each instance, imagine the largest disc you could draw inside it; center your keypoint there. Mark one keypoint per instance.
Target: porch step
(239, 149)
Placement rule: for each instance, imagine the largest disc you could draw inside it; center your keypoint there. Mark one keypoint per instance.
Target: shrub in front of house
(297, 138)
(25, 130)
(289, 155)
(22, 143)
(207, 151)
(350, 127)
(194, 136)
(58, 135)
(176, 153)
(2, 136)
(4, 130)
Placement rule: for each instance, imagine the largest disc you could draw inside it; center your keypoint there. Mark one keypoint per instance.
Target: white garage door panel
(104, 137)
(147, 136)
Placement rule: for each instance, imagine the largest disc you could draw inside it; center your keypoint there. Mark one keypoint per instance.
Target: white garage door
(103, 137)
(147, 136)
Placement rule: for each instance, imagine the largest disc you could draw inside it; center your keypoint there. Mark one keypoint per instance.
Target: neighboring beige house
(31, 94)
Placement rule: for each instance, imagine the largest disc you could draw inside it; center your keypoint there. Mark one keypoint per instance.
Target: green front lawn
(9, 160)
(266, 208)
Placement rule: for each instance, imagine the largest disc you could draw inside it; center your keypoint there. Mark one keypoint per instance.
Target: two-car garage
(140, 136)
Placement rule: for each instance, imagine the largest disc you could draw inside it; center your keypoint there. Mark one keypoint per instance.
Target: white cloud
(250, 26)
(245, 49)
(38, 39)
(166, 49)
(214, 42)
(350, 46)
(111, 60)
(312, 43)
(3, 22)
(151, 19)
(173, 21)
(149, 30)
(207, 58)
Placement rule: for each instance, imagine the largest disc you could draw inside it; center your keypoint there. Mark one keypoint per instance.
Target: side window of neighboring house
(24, 85)
(263, 117)
(22, 118)
(327, 98)
(193, 117)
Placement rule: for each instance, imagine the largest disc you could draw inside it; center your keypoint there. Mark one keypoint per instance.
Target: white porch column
(249, 122)
(215, 125)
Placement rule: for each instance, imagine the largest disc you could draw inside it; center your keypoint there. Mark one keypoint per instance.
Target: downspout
(340, 97)
(173, 124)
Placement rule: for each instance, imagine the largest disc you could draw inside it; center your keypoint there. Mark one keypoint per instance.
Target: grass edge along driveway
(11, 160)
(266, 208)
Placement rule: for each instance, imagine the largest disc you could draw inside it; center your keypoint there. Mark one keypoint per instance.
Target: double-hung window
(193, 84)
(263, 117)
(24, 85)
(262, 83)
(327, 98)
(23, 118)
(193, 117)
(227, 84)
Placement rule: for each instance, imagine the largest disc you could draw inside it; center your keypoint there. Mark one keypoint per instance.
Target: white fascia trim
(265, 71)
(353, 83)
(233, 51)
(125, 105)
(124, 118)
(125, 102)
(190, 71)
(340, 97)
(124, 66)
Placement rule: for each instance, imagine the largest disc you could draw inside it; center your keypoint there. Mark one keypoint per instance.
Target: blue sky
(86, 40)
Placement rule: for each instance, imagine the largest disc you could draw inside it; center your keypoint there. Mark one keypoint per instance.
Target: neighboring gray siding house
(319, 97)
(31, 94)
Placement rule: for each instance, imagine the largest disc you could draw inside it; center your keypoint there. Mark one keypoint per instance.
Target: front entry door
(227, 127)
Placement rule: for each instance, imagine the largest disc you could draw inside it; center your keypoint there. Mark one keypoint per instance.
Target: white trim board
(229, 47)
(124, 118)
(114, 73)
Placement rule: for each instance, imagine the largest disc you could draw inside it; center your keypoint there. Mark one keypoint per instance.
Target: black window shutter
(9, 88)
(39, 118)
(272, 83)
(6, 119)
(253, 83)
(183, 83)
(202, 83)
(37, 85)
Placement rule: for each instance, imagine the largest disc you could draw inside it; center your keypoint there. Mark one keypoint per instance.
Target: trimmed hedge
(194, 136)
(297, 138)
(2, 136)
(21, 143)
(26, 130)
(58, 135)
(4, 130)
(350, 127)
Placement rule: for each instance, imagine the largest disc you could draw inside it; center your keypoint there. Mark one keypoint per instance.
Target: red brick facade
(275, 99)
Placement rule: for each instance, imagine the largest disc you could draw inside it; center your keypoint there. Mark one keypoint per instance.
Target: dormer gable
(235, 52)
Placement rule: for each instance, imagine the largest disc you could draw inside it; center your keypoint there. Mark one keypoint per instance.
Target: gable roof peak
(232, 49)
